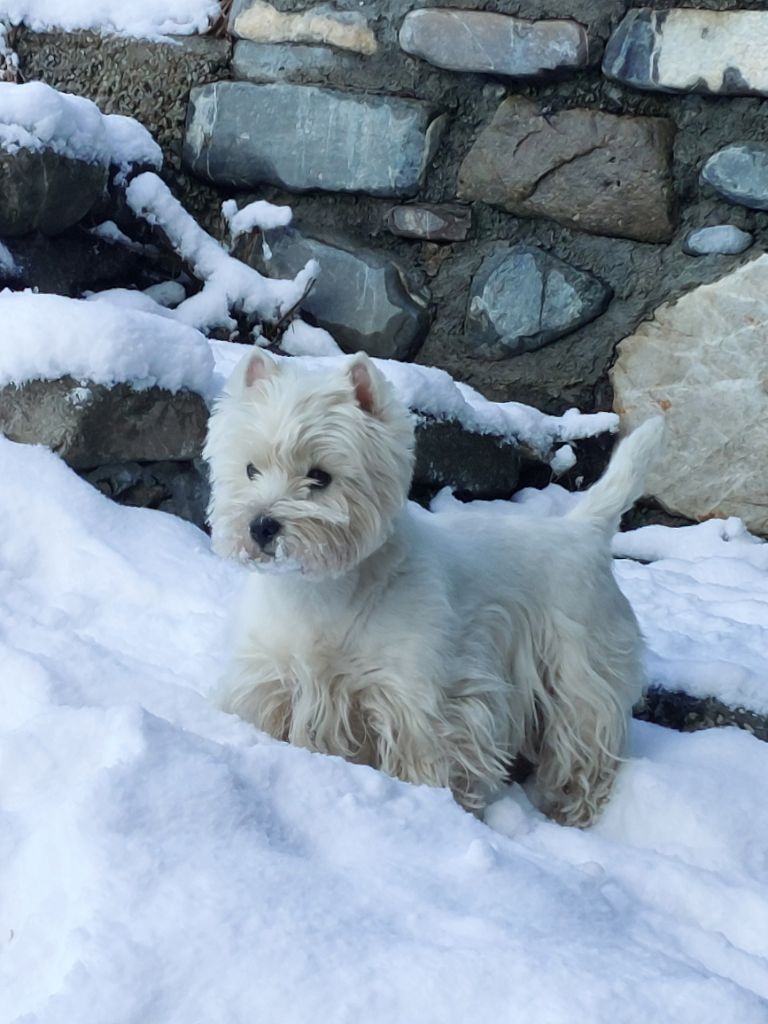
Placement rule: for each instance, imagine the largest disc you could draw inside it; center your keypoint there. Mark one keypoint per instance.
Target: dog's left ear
(367, 383)
(256, 366)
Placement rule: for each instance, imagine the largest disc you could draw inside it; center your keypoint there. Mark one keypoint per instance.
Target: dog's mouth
(274, 559)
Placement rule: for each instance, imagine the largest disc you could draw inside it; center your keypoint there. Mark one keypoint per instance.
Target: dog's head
(309, 468)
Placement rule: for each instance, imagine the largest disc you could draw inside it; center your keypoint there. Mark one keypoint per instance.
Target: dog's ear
(254, 367)
(367, 383)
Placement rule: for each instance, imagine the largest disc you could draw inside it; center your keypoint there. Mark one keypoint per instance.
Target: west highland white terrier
(436, 647)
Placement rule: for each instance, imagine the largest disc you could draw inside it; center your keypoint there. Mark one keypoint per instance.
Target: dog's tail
(624, 480)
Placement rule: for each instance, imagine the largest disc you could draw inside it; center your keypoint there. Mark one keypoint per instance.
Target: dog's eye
(319, 478)
(251, 470)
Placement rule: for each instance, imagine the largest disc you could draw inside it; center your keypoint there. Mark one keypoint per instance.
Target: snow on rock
(35, 116)
(49, 336)
(130, 298)
(139, 18)
(124, 335)
(228, 284)
(164, 861)
(300, 339)
(259, 214)
(110, 232)
(435, 393)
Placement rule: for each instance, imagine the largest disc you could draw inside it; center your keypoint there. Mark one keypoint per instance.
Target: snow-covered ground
(162, 863)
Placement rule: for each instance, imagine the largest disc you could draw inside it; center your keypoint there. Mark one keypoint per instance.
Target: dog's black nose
(264, 529)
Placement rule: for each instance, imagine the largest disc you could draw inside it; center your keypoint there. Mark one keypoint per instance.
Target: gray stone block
(476, 465)
(360, 296)
(740, 174)
(90, 424)
(523, 298)
(583, 168)
(44, 191)
(302, 138)
(443, 223)
(492, 43)
(284, 62)
(688, 50)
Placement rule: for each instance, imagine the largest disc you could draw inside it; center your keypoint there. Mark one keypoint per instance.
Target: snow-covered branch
(229, 286)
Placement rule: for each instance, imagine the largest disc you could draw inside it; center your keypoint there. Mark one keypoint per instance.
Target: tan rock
(263, 23)
(703, 361)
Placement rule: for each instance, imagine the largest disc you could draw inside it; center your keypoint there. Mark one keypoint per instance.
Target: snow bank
(49, 336)
(162, 861)
(35, 116)
(143, 18)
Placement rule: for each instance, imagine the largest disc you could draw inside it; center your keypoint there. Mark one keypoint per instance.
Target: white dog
(434, 647)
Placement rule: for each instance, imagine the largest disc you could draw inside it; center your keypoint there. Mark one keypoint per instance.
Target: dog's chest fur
(334, 672)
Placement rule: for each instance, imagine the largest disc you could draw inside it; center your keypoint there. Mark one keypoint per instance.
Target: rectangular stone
(585, 169)
(285, 62)
(685, 50)
(302, 138)
(492, 43)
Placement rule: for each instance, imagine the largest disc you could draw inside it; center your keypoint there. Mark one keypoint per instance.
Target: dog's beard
(315, 543)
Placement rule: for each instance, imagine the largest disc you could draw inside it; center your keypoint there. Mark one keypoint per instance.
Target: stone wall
(506, 192)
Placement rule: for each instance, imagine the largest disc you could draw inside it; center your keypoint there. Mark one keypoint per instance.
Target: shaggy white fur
(434, 647)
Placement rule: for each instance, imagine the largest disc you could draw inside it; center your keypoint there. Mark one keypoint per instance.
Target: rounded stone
(41, 190)
(740, 174)
(722, 239)
(360, 296)
(523, 298)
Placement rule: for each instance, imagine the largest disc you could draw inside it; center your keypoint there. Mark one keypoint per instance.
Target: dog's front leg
(256, 692)
(406, 732)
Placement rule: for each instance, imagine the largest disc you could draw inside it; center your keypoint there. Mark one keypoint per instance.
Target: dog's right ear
(254, 367)
(367, 383)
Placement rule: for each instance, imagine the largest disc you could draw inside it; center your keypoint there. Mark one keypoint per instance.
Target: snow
(34, 116)
(259, 215)
(300, 339)
(162, 861)
(433, 392)
(228, 284)
(563, 459)
(139, 18)
(110, 232)
(124, 335)
(167, 293)
(49, 336)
